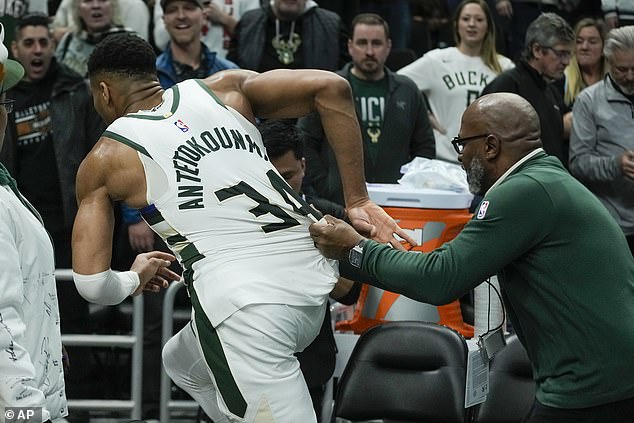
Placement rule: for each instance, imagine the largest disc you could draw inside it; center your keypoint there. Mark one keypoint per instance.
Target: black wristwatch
(355, 255)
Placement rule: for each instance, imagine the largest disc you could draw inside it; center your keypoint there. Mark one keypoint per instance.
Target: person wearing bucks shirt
(390, 109)
(453, 77)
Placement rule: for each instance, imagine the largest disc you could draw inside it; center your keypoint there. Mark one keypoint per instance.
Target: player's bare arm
(108, 174)
(294, 93)
(92, 242)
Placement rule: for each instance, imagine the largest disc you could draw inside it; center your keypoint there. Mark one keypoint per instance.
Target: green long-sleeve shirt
(566, 272)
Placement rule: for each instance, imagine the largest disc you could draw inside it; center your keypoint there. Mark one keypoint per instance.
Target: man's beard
(476, 176)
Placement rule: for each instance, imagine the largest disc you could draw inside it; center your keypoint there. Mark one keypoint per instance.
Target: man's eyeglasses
(7, 104)
(561, 54)
(459, 143)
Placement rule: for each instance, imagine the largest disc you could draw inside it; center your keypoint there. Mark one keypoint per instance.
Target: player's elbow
(336, 85)
(106, 288)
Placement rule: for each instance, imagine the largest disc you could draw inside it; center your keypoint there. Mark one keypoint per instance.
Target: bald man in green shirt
(563, 262)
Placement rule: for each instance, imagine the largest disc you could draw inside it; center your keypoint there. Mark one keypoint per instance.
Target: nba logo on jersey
(181, 125)
(483, 209)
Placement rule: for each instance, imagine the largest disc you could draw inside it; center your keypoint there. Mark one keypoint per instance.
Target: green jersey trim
(216, 358)
(127, 142)
(211, 93)
(175, 102)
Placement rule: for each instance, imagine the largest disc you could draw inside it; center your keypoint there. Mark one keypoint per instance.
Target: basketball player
(191, 159)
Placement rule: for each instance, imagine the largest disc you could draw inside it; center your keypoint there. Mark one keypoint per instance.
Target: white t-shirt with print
(451, 80)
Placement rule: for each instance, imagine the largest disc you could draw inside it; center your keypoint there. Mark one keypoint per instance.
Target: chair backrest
(408, 371)
(511, 386)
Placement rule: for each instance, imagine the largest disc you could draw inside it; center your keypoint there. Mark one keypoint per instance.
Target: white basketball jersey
(238, 229)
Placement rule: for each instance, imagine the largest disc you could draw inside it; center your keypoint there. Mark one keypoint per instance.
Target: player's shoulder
(229, 86)
(107, 149)
(106, 162)
(229, 80)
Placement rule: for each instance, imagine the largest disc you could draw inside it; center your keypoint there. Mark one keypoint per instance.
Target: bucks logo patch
(482, 211)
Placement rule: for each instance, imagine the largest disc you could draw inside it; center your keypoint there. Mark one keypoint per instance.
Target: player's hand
(373, 222)
(141, 237)
(334, 237)
(153, 271)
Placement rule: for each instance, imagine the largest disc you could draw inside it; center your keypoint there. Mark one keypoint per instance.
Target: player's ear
(104, 92)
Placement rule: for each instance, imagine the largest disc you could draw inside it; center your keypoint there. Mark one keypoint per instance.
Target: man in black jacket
(391, 112)
(288, 35)
(547, 52)
(53, 126)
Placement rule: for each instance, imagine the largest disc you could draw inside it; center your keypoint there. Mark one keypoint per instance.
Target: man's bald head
(513, 131)
(507, 115)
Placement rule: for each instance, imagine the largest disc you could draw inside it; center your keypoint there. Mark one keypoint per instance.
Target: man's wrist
(355, 254)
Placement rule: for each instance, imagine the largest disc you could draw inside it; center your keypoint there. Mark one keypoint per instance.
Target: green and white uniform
(566, 272)
(238, 229)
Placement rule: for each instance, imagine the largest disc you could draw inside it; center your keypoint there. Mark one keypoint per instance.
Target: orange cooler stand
(421, 212)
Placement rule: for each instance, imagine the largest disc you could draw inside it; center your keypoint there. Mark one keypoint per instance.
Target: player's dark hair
(123, 54)
(280, 136)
